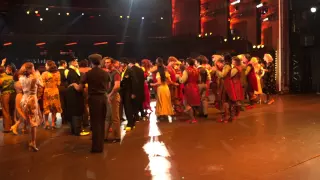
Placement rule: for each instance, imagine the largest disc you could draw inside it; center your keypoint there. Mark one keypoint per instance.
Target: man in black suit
(63, 89)
(98, 81)
(138, 91)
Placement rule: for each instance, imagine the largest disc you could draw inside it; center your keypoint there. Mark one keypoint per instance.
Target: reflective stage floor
(278, 142)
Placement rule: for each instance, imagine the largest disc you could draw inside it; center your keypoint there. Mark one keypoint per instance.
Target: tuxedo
(138, 91)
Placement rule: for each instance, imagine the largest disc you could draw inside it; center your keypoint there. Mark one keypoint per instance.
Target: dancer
(190, 78)
(146, 65)
(63, 90)
(205, 78)
(51, 99)
(269, 79)
(30, 81)
(163, 105)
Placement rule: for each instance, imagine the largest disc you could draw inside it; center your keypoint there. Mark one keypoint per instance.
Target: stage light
(71, 44)
(58, 14)
(262, 46)
(28, 12)
(41, 19)
(206, 34)
(259, 5)
(238, 37)
(161, 18)
(100, 43)
(142, 18)
(254, 46)
(67, 14)
(36, 12)
(313, 9)
(210, 33)
(234, 38)
(41, 44)
(47, 9)
(121, 17)
(199, 35)
(128, 17)
(82, 14)
(258, 46)
(235, 2)
(265, 19)
(225, 40)
(99, 14)
(7, 44)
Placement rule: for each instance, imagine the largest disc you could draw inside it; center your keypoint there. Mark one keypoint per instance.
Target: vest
(73, 77)
(203, 75)
(63, 78)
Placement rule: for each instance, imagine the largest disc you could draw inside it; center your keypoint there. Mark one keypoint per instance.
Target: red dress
(146, 102)
(173, 88)
(252, 80)
(233, 86)
(191, 89)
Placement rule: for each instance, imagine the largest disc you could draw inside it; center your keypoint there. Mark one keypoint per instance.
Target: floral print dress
(51, 98)
(270, 80)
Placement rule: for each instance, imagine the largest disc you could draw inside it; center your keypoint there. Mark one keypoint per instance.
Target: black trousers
(98, 108)
(126, 103)
(63, 99)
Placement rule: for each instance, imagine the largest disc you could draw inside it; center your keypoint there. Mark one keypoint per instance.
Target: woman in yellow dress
(51, 98)
(163, 105)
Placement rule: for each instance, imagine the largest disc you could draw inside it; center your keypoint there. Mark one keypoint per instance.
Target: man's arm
(184, 77)
(116, 86)
(81, 86)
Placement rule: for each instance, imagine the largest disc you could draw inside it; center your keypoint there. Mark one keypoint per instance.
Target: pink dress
(146, 102)
(191, 89)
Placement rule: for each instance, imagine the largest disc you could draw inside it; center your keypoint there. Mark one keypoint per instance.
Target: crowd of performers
(94, 95)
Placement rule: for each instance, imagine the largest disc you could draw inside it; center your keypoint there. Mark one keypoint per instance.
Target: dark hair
(2, 69)
(26, 69)
(162, 73)
(202, 59)
(52, 66)
(159, 61)
(112, 60)
(191, 61)
(62, 62)
(124, 60)
(248, 56)
(95, 59)
(84, 63)
(16, 76)
(228, 59)
(12, 68)
(237, 60)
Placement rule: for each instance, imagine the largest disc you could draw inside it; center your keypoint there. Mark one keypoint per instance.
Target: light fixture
(142, 18)
(41, 44)
(58, 14)
(258, 46)
(36, 12)
(41, 19)
(121, 17)
(235, 2)
(254, 46)
(7, 44)
(238, 37)
(206, 34)
(210, 33)
(47, 9)
(128, 17)
(28, 12)
(262, 46)
(99, 14)
(313, 9)
(199, 35)
(67, 14)
(71, 44)
(100, 43)
(234, 38)
(161, 18)
(259, 5)
(225, 40)
(265, 19)
(82, 14)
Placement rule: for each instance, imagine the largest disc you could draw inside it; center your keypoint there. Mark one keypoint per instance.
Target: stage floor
(278, 142)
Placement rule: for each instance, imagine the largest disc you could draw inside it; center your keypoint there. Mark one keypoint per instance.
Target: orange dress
(51, 98)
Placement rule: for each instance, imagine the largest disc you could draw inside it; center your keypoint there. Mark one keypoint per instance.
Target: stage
(279, 142)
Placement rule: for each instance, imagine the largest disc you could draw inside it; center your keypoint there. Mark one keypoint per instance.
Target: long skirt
(146, 102)
(164, 105)
(191, 94)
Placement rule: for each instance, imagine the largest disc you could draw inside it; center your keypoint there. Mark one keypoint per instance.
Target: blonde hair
(254, 60)
(172, 59)
(268, 57)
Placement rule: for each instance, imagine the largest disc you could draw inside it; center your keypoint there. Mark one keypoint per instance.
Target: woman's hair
(52, 66)
(268, 57)
(146, 64)
(254, 60)
(159, 61)
(172, 59)
(237, 60)
(228, 59)
(162, 73)
(84, 63)
(191, 61)
(27, 69)
(202, 59)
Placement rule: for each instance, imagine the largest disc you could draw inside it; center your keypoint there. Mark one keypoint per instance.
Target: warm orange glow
(41, 44)
(7, 44)
(120, 43)
(100, 43)
(71, 44)
(174, 16)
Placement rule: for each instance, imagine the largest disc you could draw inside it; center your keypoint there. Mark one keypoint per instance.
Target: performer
(30, 81)
(63, 89)
(191, 98)
(113, 134)
(84, 68)
(164, 103)
(146, 65)
(270, 79)
(51, 98)
(252, 82)
(173, 88)
(238, 95)
(97, 80)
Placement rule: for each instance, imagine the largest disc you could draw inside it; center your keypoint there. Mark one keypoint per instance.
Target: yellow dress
(51, 98)
(258, 75)
(163, 106)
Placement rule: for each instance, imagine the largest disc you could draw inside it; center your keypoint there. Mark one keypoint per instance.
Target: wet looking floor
(278, 142)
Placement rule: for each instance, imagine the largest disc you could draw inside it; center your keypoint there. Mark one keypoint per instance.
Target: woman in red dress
(252, 81)
(190, 78)
(146, 65)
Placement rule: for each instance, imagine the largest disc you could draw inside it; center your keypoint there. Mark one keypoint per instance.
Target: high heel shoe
(13, 129)
(33, 147)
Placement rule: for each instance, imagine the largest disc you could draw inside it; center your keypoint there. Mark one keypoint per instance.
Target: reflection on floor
(278, 142)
